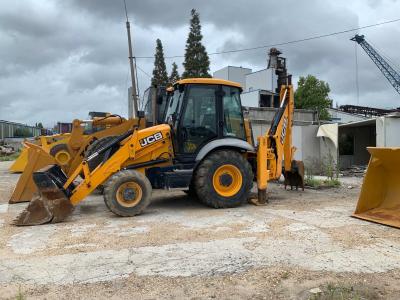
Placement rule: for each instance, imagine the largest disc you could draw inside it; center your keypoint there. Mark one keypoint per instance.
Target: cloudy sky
(60, 59)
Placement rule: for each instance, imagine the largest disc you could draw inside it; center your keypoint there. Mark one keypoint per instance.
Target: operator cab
(202, 110)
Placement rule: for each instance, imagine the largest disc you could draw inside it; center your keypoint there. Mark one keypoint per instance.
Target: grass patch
(344, 292)
(13, 156)
(319, 183)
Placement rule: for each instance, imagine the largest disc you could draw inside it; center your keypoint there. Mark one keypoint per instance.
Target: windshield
(173, 106)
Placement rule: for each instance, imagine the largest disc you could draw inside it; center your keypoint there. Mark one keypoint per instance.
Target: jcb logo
(283, 134)
(151, 139)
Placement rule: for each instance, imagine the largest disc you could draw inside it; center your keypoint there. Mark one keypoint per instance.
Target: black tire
(204, 175)
(95, 146)
(118, 180)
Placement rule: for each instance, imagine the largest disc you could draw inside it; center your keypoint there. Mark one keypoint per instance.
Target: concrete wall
(237, 74)
(261, 80)
(266, 114)
(388, 132)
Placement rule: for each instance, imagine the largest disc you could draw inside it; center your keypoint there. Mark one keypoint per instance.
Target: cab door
(199, 120)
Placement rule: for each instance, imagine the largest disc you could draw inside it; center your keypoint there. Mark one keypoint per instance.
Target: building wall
(237, 74)
(250, 99)
(387, 132)
(261, 80)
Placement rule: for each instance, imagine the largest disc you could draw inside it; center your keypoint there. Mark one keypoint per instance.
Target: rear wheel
(224, 179)
(127, 193)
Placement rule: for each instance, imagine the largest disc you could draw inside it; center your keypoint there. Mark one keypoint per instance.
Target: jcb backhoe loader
(379, 199)
(68, 152)
(44, 141)
(202, 146)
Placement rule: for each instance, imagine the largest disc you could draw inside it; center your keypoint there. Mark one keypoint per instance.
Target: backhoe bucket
(379, 199)
(52, 205)
(26, 188)
(20, 163)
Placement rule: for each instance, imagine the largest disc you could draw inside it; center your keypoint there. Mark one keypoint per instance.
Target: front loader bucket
(52, 205)
(379, 199)
(26, 188)
(20, 163)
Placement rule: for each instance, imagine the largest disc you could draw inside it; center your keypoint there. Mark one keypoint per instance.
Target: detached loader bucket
(52, 205)
(20, 163)
(26, 188)
(379, 199)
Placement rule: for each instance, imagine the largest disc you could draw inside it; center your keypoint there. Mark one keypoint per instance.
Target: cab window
(233, 115)
(199, 120)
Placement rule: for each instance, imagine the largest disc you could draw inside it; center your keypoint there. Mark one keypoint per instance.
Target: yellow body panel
(208, 81)
(144, 145)
(379, 200)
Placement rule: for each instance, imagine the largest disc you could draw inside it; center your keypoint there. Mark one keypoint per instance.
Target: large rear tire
(223, 179)
(127, 193)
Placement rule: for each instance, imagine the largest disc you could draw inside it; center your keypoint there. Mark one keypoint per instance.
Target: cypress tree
(160, 75)
(174, 77)
(197, 63)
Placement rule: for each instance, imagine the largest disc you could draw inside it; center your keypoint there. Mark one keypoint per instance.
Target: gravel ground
(298, 245)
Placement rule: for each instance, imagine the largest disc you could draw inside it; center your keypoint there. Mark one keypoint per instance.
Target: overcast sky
(60, 59)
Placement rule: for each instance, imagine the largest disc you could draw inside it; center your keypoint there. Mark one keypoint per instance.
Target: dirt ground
(303, 245)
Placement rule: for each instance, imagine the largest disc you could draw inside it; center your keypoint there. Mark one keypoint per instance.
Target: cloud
(61, 59)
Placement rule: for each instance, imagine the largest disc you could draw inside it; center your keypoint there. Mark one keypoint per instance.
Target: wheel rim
(62, 157)
(227, 180)
(129, 194)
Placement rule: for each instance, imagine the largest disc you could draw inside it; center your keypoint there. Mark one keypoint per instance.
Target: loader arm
(276, 144)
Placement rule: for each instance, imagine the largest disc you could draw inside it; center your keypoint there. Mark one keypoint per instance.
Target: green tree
(197, 63)
(39, 125)
(160, 75)
(313, 93)
(174, 77)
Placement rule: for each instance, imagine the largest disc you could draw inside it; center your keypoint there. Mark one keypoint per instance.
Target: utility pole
(133, 75)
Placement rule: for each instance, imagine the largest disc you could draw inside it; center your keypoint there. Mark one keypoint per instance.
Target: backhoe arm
(276, 144)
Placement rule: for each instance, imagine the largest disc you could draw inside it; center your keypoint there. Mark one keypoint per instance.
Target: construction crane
(391, 75)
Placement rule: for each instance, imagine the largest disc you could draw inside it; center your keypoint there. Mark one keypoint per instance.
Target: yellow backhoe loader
(44, 141)
(379, 198)
(68, 152)
(202, 146)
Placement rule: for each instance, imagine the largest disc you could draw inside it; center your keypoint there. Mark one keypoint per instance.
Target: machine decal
(283, 134)
(151, 139)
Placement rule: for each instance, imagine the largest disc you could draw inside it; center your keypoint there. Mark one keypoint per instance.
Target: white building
(237, 74)
(258, 87)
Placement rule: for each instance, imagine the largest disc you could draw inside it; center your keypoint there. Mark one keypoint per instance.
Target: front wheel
(223, 179)
(127, 193)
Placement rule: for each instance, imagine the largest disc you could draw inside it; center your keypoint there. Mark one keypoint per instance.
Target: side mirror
(140, 114)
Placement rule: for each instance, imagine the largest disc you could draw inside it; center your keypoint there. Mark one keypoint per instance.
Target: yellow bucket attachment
(52, 205)
(26, 188)
(379, 199)
(20, 163)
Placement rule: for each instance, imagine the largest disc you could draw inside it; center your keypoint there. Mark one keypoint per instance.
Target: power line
(284, 43)
(143, 71)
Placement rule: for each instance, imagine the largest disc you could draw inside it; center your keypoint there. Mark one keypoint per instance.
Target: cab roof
(209, 81)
